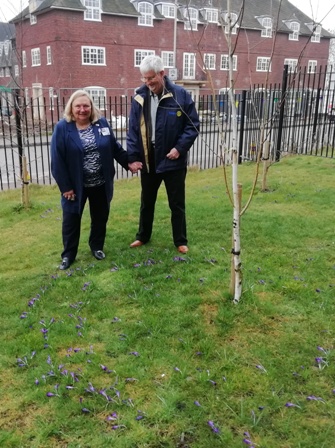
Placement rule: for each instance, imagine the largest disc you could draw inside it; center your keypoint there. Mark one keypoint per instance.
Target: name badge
(105, 131)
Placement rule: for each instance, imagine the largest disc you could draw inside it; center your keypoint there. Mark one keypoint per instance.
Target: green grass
(145, 335)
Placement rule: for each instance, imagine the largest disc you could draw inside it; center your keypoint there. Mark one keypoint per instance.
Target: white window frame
(93, 55)
(139, 55)
(35, 57)
(2, 72)
(292, 64)
(295, 28)
(189, 65)
(267, 27)
(224, 65)
(7, 72)
(6, 47)
(168, 10)
(263, 64)
(93, 11)
(24, 58)
(33, 19)
(212, 15)
(97, 93)
(233, 23)
(312, 64)
(147, 12)
(209, 61)
(16, 70)
(168, 59)
(191, 19)
(49, 58)
(316, 34)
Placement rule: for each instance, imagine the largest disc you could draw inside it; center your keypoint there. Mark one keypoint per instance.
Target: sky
(319, 10)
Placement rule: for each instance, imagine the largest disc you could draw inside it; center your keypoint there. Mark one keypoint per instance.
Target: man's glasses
(148, 78)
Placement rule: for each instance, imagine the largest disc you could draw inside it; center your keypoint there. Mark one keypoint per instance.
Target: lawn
(145, 349)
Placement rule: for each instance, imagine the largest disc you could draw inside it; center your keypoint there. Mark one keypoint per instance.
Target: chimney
(33, 5)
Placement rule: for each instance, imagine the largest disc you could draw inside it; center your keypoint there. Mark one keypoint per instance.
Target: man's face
(154, 81)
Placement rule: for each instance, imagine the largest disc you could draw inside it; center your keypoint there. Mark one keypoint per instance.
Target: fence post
(240, 146)
(282, 109)
(18, 125)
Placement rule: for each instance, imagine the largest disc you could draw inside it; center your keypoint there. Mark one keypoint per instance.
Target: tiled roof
(7, 31)
(253, 10)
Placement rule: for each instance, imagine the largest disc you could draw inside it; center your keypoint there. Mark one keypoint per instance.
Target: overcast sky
(319, 10)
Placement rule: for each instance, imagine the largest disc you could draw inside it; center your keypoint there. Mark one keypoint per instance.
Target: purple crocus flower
(134, 353)
(291, 405)
(213, 427)
(50, 394)
(197, 403)
(179, 259)
(85, 410)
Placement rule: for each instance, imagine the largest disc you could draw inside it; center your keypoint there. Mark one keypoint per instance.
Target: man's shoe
(66, 263)
(136, 243)
(182, 249)
(98, 254)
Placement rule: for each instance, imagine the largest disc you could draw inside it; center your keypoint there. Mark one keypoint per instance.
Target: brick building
(98, 44)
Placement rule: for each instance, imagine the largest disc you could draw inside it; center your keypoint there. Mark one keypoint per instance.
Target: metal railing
(297, 116)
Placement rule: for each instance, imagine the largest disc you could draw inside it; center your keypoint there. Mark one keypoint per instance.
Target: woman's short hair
(151, 62)
(95, 113)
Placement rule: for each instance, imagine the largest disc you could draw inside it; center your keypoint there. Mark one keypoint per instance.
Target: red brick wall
(67, 31)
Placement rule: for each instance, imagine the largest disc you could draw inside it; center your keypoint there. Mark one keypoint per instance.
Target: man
(163, 125)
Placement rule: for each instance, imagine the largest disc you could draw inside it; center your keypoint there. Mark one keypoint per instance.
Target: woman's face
(81, 110)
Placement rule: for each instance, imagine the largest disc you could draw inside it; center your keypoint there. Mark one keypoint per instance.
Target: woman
(83, 149)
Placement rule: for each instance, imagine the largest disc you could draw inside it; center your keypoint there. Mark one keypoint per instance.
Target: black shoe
(66, 263)
(98, 254)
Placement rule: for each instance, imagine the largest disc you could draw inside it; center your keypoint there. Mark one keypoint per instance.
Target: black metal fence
(297, 116)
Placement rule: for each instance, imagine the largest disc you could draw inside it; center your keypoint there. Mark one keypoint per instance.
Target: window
(99, 96)
(267, 24)
(316, 34)
(312, 66)
(16, 70)
(141, 54)
(49, 55)
(33, 19)
(7, 72)
(212, 15)
(231, 22)
(209, 61)
(35, 57)
(225, 62)
(146, 10)
(191, 19)
(0, 50)
(169, 10)
(93, 11)
(295, 28)
(292, 64)
(93, 56)
(6, 47)
(24, 58)
(189, 66)
(263, 64)
(168, 59)
(2, 72)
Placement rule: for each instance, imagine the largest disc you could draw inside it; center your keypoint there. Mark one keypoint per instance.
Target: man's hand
(173, 154)
(135, 166)
(69, 195)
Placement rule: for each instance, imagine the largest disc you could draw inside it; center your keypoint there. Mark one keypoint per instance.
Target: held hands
(135, 166)
(69, 195)
(173, 154)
